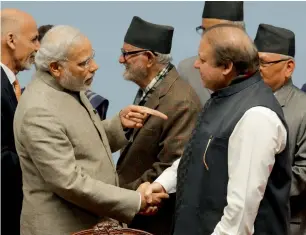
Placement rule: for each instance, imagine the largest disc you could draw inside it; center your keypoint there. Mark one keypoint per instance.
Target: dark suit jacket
(155, 146)
(11, 180)
(98, 102)
(293, 102)
(304, 87)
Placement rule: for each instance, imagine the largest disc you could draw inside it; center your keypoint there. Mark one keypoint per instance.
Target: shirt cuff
(167, 183)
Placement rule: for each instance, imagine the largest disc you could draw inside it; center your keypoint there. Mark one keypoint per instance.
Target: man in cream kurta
(69, 178)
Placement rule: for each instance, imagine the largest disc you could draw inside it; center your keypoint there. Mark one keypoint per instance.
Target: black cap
(275, 40)
(149, 36)
(223, 10)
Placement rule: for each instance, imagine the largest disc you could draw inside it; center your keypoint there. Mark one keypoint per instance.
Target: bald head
(14, 20)
(231, 43)
(19, 39)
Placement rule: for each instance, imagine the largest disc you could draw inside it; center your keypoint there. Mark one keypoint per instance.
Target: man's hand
(133, 116)
(150, 208)
(154, 188)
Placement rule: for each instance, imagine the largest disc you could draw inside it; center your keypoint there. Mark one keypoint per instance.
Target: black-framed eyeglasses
(200, 29)
(127, 53)
(267, 63)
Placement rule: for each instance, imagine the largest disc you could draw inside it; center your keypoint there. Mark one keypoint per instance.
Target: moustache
(32, 57)
(127, 66)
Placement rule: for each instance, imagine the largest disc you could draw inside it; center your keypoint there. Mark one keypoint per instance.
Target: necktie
(17, 89)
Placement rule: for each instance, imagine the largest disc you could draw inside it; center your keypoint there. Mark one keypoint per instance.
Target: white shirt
(257, 138)
(11, 76)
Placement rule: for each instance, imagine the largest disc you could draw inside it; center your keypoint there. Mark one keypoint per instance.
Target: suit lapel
(97, 122)
(153, 101)
(9, 89)
(282, 95)
(160, 91)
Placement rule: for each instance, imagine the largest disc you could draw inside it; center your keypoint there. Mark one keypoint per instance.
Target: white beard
(136, 73)
(72, 83)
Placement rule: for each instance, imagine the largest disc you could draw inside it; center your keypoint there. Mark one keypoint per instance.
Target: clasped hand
(151, 197)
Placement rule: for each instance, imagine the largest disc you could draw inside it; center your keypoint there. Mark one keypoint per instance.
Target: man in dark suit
(19, 43)
(215, 12)
(151, 150)
(276, 48)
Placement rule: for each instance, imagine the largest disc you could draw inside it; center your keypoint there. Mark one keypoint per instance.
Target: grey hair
(55, 45)
(240, 24)
(163, 58)
(231, 43)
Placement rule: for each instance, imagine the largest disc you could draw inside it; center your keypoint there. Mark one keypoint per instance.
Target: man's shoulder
(39, 95)
(297, 100)
(298, 93)
(181, 92)
(187, 63)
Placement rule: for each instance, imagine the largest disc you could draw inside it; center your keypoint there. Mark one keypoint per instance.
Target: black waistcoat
(203, 170)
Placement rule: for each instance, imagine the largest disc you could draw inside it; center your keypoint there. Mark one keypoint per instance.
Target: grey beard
(72, 83)
(135, 75)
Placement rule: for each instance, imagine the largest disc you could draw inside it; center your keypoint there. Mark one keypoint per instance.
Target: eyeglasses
(200, 29)
(127, 53)
(267, 63)
(85, 64)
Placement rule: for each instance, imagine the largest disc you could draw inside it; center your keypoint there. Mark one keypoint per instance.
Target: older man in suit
(215, 12)
(69, 178)
(276, 48)
(19, 43)
(147, 59)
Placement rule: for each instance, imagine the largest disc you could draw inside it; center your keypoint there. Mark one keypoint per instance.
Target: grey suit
(69, 178)
(192, 76)
(293, 102)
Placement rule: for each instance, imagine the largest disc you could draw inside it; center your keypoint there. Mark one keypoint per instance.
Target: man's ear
(55, 69)
(11, 40)
(290, 66)
(151, 59)
(228, 68)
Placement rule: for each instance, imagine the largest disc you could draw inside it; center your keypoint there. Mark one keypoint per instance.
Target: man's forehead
(29, 28)
(209, 22)
(80, 50)
(268, 55)
(129, 47)
(203, 43)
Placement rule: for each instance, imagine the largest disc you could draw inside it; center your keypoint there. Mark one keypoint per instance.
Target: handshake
(151, 197)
